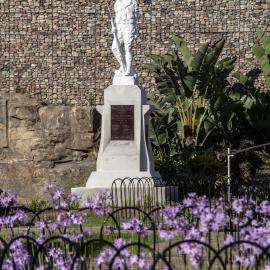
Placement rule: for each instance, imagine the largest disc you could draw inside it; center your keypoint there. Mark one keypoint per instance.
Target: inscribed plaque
(122, 122)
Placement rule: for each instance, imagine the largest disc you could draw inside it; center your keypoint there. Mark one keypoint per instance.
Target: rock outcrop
(41, 145)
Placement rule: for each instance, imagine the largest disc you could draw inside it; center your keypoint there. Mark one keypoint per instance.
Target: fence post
(229, 174)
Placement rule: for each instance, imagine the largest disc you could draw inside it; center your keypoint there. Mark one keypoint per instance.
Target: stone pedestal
(125, 148)
(134, 196)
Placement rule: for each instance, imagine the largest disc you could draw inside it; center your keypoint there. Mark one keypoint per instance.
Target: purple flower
(57, 195)
(63, 204)
(168, 234)
(73, 197)
(20, 255)
(100, 203)
(41, 238)
(40, 224)
(136, 225)
(118, 243)
(246, 261)
(264, 207)
(7, 198)
(238, 206)
(194, 252)
(62, 260)
(228, 240)
(16, 216)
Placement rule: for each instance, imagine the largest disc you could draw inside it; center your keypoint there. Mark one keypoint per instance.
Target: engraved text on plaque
(122, 122)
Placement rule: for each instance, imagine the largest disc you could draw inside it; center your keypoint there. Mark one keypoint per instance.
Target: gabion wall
(59, 50)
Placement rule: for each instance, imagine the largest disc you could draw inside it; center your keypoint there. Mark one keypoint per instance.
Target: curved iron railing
(157, 259)
(161, 255)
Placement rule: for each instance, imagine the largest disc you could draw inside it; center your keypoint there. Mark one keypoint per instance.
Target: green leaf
(248, 101)
(259, 51)
(267, 49)
(245, 80)
(182, 46)
(218, 102)
(199, 57)
(208, 125)
(168, 57)
(215, 52)
(264, 38)
(268, 81)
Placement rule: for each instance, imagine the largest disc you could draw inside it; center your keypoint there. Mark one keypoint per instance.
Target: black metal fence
(81, 255)
(154, 253)
(148, 193)
(24, 245)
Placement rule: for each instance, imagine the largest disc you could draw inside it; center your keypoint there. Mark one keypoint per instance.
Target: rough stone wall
(41, 145)
(59, 50)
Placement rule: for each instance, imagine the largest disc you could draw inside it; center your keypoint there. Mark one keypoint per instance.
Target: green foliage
(197, 110)
(246, 164)
(91, 100)
(193, 107)
(255, 108)
(37, 204)
(204, 164)
(262, 53)
(203, 171)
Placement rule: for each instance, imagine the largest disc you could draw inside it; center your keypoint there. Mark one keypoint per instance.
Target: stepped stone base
(104, 179)
(136, 196)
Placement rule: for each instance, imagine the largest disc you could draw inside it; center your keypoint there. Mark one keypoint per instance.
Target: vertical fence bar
(229, 175)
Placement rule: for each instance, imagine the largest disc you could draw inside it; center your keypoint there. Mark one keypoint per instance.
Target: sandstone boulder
(40, 145)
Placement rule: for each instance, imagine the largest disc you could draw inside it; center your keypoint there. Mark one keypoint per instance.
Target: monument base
(136, 196)
(125, 150)
(104, 179)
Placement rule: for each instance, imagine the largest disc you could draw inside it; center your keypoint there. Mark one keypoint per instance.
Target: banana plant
(262, 53)
(191, 93)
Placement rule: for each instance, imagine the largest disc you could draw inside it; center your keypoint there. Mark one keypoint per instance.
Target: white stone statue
(125, 30)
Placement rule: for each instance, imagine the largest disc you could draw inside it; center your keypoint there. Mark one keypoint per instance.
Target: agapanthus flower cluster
(189, 222)
(18, 256)
(61, 199)
(100, 205)
(125, 258)
(195, 217)
(67, 216)
(136, 225)
(60, 258)
(7, 199)
(10, 214)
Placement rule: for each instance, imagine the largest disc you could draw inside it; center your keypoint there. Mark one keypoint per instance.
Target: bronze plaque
(122, 122)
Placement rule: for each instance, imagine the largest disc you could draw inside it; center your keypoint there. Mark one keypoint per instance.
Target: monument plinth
(125, 150)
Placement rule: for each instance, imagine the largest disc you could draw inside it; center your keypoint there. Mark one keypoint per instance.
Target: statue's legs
(128, 39)
(118, 53)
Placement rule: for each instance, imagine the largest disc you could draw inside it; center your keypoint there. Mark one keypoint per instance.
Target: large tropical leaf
(214, 52)
(186, 52)
(262, 53)
(199, 57)
(259, 51)
(264, 38)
